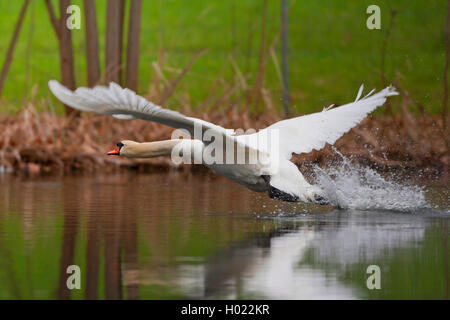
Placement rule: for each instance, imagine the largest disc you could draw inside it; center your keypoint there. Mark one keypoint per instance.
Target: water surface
(175, 235)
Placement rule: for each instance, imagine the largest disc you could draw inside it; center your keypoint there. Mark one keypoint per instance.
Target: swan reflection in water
(293, 261)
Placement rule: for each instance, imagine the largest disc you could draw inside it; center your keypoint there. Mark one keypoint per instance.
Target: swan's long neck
(150, 149)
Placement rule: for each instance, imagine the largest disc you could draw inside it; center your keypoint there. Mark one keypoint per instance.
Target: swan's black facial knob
(116, 151)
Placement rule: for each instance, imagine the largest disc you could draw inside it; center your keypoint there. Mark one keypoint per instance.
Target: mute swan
(297, 135)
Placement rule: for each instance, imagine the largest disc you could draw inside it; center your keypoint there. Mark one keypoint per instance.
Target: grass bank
(331, 50)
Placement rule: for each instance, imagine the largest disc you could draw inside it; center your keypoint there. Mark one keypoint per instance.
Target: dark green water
(194, 236)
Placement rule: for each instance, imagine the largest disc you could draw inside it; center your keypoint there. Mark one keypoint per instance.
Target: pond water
(180, 235)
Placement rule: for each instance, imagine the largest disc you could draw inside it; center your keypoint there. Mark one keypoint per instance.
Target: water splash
(351, 186)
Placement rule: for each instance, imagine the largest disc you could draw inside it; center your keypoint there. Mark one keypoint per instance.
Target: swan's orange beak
(115, 152)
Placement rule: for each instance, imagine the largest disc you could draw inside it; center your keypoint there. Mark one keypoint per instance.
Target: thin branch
(171, 87)
(12, 45)
(256, 91)
(393, 13)
(53, 19)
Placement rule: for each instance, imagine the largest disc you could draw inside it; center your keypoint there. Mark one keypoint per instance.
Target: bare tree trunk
(66, 53)
(113, 40)
(129, 246)
(113, 267)
(92, 46)
(121, 27)
(92, 256)
(134, 30)
(70, 233)
(64, 36)
(284, 57)
(53, 19)
(447, 61)
(12, 45)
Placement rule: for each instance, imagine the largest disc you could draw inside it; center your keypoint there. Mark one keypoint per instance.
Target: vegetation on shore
(44, 142)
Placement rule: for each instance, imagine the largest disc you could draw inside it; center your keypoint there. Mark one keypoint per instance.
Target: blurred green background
(331, 50)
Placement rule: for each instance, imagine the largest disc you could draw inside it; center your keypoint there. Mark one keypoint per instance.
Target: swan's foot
(277, 194)
(321, 200)
(316, 195)
(313, 194)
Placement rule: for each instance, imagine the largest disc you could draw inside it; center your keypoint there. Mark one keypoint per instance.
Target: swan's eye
(120, 144)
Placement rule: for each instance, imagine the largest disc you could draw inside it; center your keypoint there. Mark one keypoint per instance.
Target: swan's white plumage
(313, 131)
(124, 104)
(296, 135)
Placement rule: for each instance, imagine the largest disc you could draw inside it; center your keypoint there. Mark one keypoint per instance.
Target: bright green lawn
(332, 51)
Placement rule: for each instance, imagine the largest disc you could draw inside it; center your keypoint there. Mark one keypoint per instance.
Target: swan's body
(276, 174)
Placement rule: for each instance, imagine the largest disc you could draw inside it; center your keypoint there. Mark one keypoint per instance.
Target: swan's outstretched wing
(125, 104)
(313, 131)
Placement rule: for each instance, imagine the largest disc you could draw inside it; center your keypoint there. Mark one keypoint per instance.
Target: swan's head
(124, 148)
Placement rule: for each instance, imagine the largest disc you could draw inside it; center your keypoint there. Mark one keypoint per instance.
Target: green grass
(331, 50)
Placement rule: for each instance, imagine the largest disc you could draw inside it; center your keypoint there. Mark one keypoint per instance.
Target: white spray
(351, 186)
